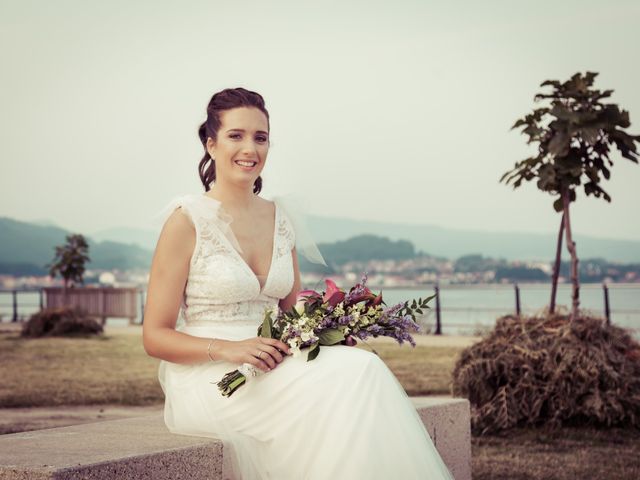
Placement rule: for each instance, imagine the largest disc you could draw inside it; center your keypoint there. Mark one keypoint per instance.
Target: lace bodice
(221, 288)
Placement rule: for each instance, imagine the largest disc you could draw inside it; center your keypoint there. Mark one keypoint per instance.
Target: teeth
(245, 164)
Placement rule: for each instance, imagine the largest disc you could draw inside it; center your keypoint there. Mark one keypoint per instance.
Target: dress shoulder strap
(185, 202)
(210, 220)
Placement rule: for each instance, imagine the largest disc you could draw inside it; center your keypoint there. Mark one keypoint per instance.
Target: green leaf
(331, 337)
(559, 144)
(314, 350)
(426, 300)
(590, 135)
(265, 331)
(558, 206)
(519, 123)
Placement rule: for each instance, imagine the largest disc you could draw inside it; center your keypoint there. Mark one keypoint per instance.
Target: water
(464, 309)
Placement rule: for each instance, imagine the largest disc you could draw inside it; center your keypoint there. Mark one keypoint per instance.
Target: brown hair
(225, 100)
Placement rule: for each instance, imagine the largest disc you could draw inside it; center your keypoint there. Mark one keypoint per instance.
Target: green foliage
(330, 336)
(549, 371)
(265, 330)
(70, 259)
(520, 273)
(416, 306)
(64, 321)
(574, 133)
(362, 248)
(477, 263)
(596, 270)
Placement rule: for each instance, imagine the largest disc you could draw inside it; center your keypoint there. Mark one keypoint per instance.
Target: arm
(167, 280)
(290, 300)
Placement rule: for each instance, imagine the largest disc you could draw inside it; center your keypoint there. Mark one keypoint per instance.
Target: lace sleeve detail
(299, 234)
(208, 218)
(287, 231)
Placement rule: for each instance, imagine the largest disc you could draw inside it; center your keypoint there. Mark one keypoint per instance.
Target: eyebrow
(242, 130)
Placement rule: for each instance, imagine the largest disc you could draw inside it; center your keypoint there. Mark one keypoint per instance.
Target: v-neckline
(261, 288)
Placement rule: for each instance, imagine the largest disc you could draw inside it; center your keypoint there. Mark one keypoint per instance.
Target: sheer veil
(296, 207)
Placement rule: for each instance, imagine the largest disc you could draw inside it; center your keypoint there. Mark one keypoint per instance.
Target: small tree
(70, 259)
(574, 134)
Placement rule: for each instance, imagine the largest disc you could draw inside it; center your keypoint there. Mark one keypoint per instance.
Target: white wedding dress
(343, 415)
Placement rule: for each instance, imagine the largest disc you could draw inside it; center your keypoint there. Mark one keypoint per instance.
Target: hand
(249, 351)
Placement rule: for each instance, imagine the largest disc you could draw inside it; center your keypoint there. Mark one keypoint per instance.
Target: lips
(246, 164)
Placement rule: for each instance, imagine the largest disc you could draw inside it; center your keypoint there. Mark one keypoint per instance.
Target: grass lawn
(115, 369)
(76, 371)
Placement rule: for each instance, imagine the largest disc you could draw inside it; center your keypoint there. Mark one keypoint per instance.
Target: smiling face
(241, 147)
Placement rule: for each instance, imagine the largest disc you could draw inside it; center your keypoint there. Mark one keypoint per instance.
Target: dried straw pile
(61, 322)
(543, 370)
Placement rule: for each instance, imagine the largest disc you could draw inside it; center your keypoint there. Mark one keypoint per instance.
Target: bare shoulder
(179, 222)
(178, 233)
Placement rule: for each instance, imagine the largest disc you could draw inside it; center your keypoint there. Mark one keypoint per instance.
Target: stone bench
(142, 448)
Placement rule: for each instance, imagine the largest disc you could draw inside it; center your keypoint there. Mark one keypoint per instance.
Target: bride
(222, 257)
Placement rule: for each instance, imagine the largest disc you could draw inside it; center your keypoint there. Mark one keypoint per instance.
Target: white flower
(338, 311)
(293, 343)
(305, 336)
(249, 370)
(295, 352)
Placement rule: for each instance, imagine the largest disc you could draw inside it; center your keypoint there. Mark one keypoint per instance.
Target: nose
(249, 149)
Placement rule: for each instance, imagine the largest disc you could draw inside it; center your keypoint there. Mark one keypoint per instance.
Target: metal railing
(107, 306)
(16, 304)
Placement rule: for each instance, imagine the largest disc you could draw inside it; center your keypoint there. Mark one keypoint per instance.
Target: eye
(234, 135)
(262, 138)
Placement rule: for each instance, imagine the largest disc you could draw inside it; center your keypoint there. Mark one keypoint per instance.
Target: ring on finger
(259, 354)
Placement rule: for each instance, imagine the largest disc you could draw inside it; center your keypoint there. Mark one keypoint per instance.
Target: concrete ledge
(143, 448)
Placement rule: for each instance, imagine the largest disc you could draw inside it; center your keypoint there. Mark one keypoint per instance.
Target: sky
(396, 111)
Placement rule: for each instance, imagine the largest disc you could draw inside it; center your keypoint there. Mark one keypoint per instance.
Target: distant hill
(146, 239)
(454, 243)
(26, 248)
(436, 241)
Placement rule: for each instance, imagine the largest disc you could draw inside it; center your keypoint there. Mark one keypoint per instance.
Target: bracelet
(209, 350)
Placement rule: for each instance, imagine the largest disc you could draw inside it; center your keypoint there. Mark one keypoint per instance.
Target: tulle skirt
(343, 415)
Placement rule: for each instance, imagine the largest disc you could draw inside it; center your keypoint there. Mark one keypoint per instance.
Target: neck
(240, 196)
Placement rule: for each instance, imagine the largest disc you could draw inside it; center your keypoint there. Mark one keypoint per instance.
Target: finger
(274, 352)
(278, 344)
(266, 357)
(256, 362)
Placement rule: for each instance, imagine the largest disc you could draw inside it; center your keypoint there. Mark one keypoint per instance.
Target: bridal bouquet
(329, 318)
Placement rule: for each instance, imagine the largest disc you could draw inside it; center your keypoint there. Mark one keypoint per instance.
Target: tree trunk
(571, 246)
(556, 268)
